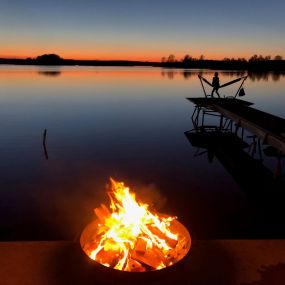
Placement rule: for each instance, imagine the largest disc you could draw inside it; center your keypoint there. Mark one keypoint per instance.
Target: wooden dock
(208, 102)
(269, 128)
(223, 262)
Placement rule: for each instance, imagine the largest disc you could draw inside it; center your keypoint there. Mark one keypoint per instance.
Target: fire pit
(128, 236)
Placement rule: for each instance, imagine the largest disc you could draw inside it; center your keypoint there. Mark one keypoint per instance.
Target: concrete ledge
(230, 262)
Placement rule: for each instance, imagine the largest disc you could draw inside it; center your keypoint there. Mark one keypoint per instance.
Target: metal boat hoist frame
(240, 91)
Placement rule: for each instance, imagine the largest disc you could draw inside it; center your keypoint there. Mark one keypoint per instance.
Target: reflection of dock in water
(243, 158)
(269, 128)
(231, 151)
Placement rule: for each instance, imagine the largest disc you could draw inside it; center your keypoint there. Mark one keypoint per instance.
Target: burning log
(134, 266)
(149, 258)
(169, 241)
(107, 259)
(141, 246)
(102, 213)
(129, 237)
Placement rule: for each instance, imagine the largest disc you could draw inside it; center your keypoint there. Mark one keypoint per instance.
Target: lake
(127, 123)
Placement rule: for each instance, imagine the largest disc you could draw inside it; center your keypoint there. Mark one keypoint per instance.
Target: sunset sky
(141, 29)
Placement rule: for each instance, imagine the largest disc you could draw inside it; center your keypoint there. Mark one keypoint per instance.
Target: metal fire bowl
(176, 226)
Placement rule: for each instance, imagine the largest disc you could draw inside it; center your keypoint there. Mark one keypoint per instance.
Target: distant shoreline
(73, 62)
(269, 65)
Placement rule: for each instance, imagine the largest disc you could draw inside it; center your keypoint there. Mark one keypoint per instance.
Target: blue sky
(142, 29)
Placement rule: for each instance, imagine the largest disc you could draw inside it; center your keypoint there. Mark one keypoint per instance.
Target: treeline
(54, 59)
(255, 62)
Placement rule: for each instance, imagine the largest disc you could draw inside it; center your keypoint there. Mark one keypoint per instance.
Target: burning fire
(130, 237)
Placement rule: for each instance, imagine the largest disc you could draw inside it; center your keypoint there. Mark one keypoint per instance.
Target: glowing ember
(130, 237)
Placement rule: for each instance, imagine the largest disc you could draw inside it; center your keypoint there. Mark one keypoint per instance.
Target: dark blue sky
(142, 29)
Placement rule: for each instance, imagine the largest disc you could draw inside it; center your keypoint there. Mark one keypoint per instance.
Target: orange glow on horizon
(154, 56)
(100, 55)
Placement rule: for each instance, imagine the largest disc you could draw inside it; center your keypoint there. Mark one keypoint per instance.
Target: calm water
(127, 123)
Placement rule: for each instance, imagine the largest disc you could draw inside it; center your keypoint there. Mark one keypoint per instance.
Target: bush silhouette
(49, 59)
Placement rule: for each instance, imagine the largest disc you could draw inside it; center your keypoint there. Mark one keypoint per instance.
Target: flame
(129, 236)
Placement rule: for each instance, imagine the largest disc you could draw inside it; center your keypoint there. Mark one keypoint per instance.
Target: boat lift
(240, 92)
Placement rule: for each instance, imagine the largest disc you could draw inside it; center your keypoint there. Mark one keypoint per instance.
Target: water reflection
(121, 122)
(50, 73)
(253, 76)
(240, 154)
(255, 166)
(266, 76)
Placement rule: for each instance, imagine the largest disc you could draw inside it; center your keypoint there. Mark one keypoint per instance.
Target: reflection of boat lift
(243, 160)
(206, 107)
(226, 140)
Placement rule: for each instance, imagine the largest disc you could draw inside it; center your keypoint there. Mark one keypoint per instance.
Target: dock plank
(221, 262)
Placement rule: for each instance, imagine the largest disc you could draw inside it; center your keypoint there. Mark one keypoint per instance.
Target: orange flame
(130, 237)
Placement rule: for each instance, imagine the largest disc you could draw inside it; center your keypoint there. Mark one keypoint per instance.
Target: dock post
(44, 144)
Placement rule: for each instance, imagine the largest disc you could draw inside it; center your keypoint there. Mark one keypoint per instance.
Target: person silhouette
(216, 85)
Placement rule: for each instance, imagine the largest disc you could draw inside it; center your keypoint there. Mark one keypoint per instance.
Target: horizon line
(129, 60)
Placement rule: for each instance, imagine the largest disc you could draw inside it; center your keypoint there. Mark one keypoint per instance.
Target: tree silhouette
(254, 58)
(187, 58)
(278, 57)
(171, 58)
(49, 59)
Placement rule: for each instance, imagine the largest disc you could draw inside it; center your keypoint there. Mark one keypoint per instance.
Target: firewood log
(141, 246)
(149, 258)
(102, 213)
(171, 242)
(134, 266)
(108, 257)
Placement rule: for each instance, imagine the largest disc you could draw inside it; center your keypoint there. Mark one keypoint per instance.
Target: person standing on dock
(216, 85)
